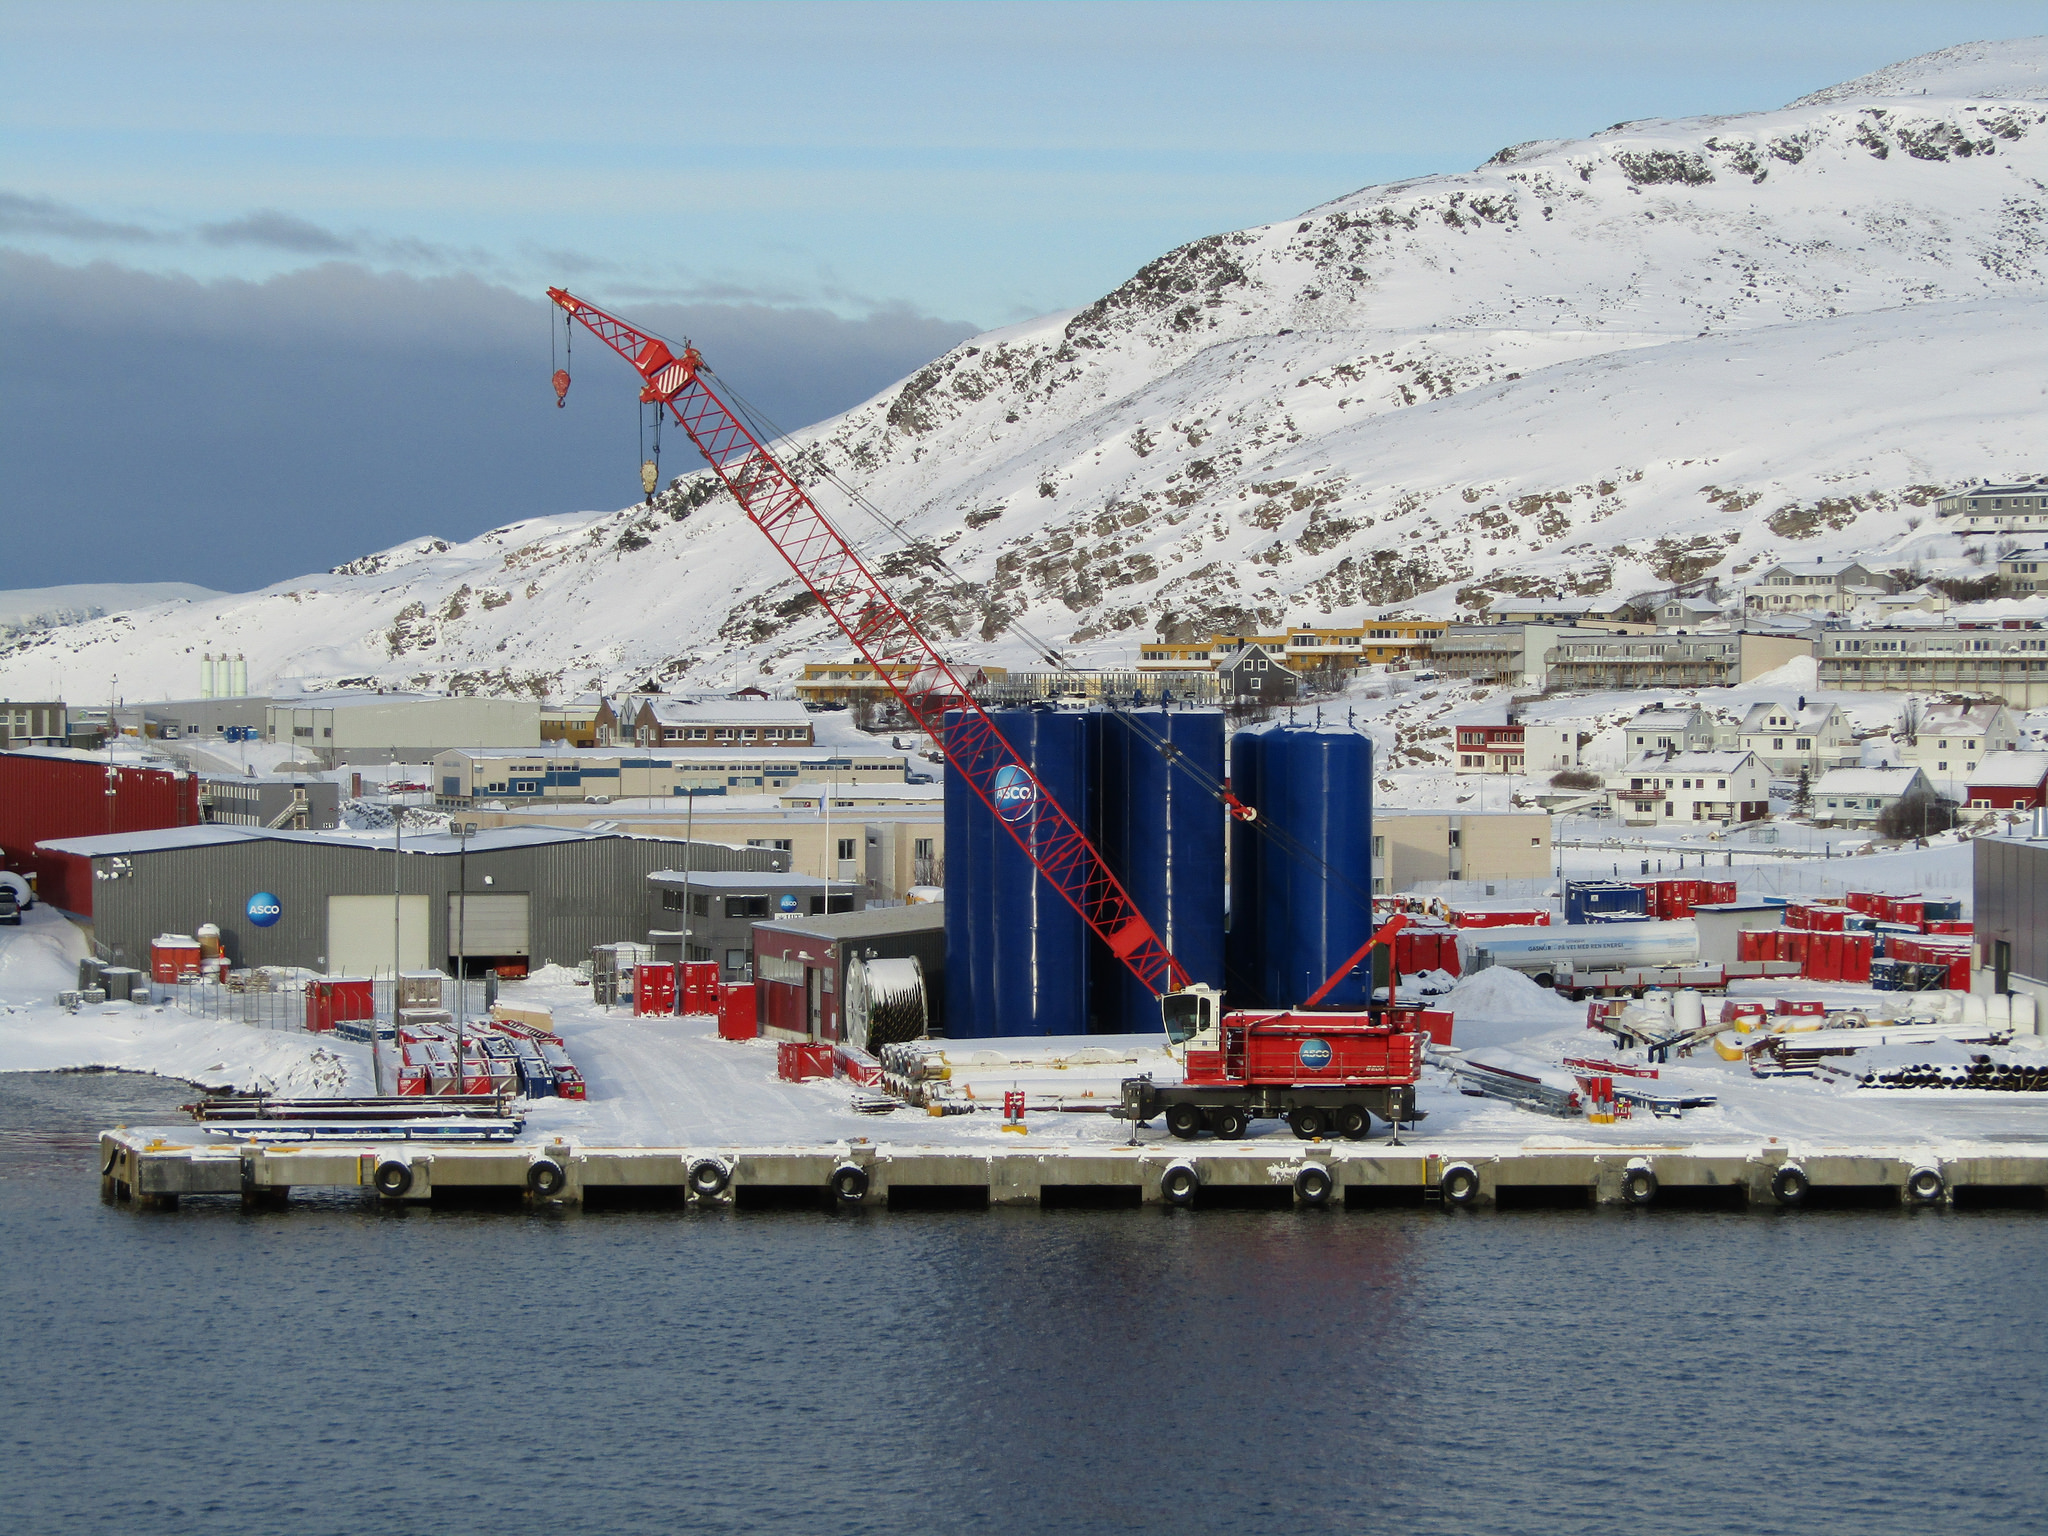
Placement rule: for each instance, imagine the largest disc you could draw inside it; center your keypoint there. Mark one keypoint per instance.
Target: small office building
(709, 914)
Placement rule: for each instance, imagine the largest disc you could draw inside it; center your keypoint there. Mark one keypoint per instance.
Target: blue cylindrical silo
(1244, 984)
(967, 890)
(1315, 863)
(1036, 979)
(1162, 832)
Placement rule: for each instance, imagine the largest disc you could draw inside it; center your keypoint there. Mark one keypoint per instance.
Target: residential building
(1857, 797)
(2008, 662)
(1551, 748)
(463, 777)
(2024, 572)
(1948, 740)
(1920, 599)
(289, 803)
(721, 724)
(1669, 661)
(1688, 613)
(1831, 586)
(1252, 675)
(854, 681)
(1658, 729)
(33, 723)
(1409, 847)
(1789, 737)
(2021, 506)
(1490, 748)
(2009, 915)
(2009, 781)
(1721, 787)
(588, 720)
(1505, 655)
(1397, 643)
(1124, 685)
(381, 727)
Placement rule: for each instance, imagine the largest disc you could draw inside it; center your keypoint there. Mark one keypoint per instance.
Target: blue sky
(333, 220)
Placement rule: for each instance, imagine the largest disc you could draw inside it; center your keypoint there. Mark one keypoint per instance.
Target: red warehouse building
(55, 794)
(800, 966)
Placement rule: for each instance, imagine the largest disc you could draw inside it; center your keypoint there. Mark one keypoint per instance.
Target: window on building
(921, 848)
(848, 847)
(740, 907)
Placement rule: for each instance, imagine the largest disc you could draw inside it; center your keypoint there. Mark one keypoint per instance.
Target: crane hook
(561, 387)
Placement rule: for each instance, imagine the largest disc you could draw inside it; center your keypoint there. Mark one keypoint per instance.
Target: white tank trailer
(1549, 953)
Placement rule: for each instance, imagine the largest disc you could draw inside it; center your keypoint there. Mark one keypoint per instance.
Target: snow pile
(1498, 995)
(1586, 367)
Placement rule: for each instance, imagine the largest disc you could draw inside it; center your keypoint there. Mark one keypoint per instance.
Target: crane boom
(887, 640)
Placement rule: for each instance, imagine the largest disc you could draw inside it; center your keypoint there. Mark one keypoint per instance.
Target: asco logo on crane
(1016, 797)
(1314, 1054)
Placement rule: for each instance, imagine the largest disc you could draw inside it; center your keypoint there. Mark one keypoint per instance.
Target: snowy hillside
(1669, 350)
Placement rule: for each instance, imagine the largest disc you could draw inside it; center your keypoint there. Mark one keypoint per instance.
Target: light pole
(461, 952)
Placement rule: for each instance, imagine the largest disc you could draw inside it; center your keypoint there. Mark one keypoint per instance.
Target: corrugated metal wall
(50, 797)
(583, 892)
(2011, 904)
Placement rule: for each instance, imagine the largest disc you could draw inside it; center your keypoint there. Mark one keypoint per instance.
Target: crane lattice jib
(886, 639)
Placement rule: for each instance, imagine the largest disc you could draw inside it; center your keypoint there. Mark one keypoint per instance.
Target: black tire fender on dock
(709, 1177)
(1789, 1185)
(107, 1166)
(392, 1178)
(1925, 1186)
(545, 1177)
(1313, 1184)
(1459, 1184)
(1180, 1183)
(1639, 1184)
(849, 1183)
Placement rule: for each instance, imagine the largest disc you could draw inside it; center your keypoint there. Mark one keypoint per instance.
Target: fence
(265, 1002)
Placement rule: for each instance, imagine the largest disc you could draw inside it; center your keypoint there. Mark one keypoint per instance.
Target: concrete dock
(157, 1169)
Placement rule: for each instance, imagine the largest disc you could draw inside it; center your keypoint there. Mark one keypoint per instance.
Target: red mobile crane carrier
(1323, 1071)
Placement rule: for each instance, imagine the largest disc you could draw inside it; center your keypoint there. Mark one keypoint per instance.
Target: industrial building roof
(743, 879)
(920, 918)
(492, 840)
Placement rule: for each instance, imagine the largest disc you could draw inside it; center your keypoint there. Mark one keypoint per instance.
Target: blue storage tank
(1243, 984)
(1586, 900)
(967, 890)
(1313, 873)
(1030, 949)
(1161, 832)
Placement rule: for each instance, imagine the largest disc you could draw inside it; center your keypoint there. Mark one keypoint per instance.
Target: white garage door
(487, 925)
(359, 935)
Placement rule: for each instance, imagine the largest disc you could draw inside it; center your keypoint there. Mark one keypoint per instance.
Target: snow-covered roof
(1948, 719)
(748, 879)
(668, 711)
(1815, 567)
(2009, 770)
(1689, 762)
(1868, 781)
(1663, 720)
(1813, 717)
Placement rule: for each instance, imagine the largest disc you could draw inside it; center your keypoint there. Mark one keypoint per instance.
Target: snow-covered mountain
(1669, 350)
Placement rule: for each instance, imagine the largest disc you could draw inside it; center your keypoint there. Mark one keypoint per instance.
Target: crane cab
(1194, 1018)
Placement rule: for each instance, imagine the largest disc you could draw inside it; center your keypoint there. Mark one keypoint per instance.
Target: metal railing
(266, 1002)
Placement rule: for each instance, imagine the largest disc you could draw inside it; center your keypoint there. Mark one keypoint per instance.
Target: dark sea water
(336, 1369)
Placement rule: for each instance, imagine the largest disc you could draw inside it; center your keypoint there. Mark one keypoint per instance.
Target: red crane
(888, 640)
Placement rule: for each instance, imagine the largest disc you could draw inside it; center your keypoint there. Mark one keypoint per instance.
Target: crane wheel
(850, 1183)
(1309, 1124)
(1639, 1186)
(1313, 1184)
(1179, 1184)
(1353, 1121)
(1925, 1186)
(1184, 1120)
(392, 1178)
(1230, 1124)
(1459, 1184)
(708, 1178)
(545, 1178)
(1789, 1185)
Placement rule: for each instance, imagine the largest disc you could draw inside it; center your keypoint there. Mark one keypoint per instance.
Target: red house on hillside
(2009, 781)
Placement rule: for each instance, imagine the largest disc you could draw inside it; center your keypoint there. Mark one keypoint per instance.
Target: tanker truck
(1553, 957)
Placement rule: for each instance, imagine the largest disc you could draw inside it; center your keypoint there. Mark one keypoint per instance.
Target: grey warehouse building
(534, 895)
(724, 906)
(2010, 911)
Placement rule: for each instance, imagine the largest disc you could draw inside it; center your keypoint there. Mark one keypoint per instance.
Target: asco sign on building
(264, 909)
(1016, 797)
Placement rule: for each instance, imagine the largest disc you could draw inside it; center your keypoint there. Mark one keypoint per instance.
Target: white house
(1723, 787)
(1833, 586)
(1789, 737)
(1950, 740)
(1673, 730)
(1858, 796)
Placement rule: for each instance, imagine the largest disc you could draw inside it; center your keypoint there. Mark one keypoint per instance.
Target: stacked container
(1587, 901)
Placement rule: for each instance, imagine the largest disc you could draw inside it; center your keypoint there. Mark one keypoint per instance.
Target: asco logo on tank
(1016, 797)
(1314, 1054)
(264, 909)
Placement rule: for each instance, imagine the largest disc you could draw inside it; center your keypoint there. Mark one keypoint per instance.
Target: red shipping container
(1503, 917)
(332, 1000)
(796, 1062)
(46, 798)
(1909, 909)
(856, 1066)
(1717, 892)
(1828, 919)
(1434, 1023)
(172, 958)
(1951, 925)
(1823, 957)
(736, 1012)
(700, 986)
(1857, 949)
(1806, 1008)
(1753, 944)
(1731, 1010)
(1792, 944)
(1959, 973)
(1865, 902)
(654, 989)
